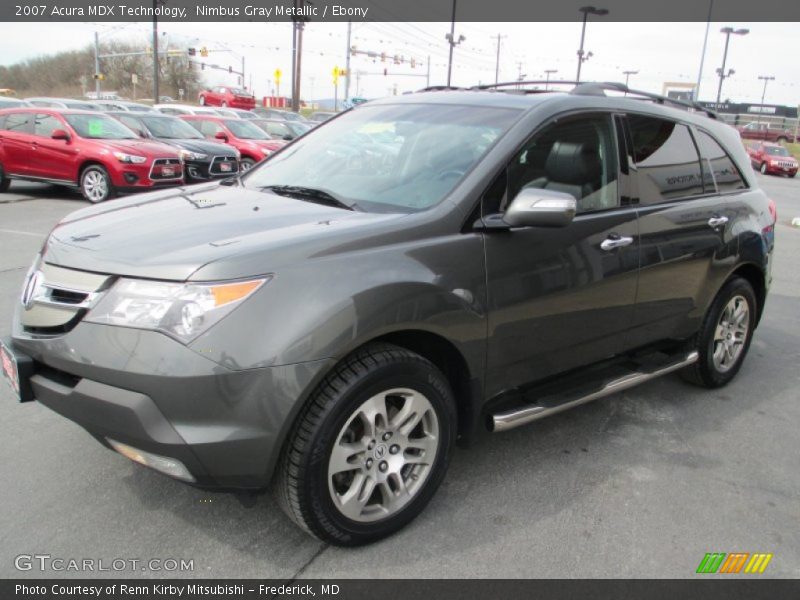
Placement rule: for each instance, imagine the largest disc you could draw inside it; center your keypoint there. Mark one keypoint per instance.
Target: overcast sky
(661, 52)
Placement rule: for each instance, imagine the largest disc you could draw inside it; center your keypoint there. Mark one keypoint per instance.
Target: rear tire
(782, 140)
(724, 338)
(96, 185)
(370, 448)
(224, 104)
(5, 182)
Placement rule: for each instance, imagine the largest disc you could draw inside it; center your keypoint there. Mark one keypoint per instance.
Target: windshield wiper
(311, 194)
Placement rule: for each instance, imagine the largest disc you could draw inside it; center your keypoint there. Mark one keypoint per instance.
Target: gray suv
(333, 322)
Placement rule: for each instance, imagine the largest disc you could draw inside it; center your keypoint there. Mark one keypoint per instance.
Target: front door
(561, 298)
(53, 159)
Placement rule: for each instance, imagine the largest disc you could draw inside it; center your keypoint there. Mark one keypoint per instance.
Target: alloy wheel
(95, 186)
(730, 334)
(383, 455)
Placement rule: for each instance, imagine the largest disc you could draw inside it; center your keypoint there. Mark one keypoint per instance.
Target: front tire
(202, 100)
(370, 448)
(763, 168)
(246, 164)
(724, 338)
(96, 185)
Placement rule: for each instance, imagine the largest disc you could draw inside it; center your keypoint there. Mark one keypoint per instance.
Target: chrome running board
(546, 407)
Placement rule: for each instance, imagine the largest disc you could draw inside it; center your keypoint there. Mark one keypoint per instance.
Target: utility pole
(547, 73)
(766, 79)
(155, 53)
(300, 27)
(497, 63)
(520, 75)
(428, 75)
(347, 64)
(244, 83)
(297, 54)
(294, 59)
(97, 65)
(721, 72)
(453, 43)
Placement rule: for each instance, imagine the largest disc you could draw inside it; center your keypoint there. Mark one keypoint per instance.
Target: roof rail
(441, 88)
(598, 89)
(547, 82)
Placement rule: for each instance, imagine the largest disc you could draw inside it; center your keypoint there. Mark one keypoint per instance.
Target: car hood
(206, 232)
(147, 147)
(201, 146)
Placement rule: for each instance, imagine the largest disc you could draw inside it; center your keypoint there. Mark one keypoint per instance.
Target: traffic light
(99, 77)
(202, 66)
(204, 52)
(385, 72)
(383, 56)
(230, 69)
(192, 51)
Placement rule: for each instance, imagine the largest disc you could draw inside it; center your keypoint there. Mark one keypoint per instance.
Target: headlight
(129, 158)
(182, 310)
(188, 155)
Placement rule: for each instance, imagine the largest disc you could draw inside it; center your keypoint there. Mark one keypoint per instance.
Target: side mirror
(60, 134)
(288, 137)
(535, 207)
(221, 135)
(141, 133)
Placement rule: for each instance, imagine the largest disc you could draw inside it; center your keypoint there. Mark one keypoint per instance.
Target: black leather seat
(571, 167)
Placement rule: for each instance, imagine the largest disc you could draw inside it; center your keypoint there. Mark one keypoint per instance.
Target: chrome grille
(159, 163)
(785, 164)
(216, 169)
(54, 299)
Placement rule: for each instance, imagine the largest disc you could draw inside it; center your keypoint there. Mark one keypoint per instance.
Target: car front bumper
(148, 391)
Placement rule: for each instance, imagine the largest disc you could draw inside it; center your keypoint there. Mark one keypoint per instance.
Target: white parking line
(38, 235)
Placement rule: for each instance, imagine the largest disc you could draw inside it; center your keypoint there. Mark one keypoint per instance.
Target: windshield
(171, 128)
(297, 127)
(139, 108)
(99, 127)
(245, 130)
(431, 148)
(777, 151)
(238, 92)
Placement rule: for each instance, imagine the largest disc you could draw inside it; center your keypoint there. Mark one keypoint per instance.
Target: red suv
(227, 96)
(772, 158)
(88, 150)
(252, 142)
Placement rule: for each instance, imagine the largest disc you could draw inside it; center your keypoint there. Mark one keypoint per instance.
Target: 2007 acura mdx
(336, 321)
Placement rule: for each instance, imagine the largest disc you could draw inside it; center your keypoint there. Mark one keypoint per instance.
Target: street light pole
(586, 10)
(453, 43)
(628, 76)
(97, 65)
(547, 73)
(722, 75)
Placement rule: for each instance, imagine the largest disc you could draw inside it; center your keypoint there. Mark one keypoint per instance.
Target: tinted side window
(131, 124)
(666, 159)
(208, 128)
(723, 170)
(576, 156)
(45, 125)
(19, 122)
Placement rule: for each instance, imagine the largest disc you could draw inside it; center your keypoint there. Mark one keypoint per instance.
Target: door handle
(717, 221)
(615, 241)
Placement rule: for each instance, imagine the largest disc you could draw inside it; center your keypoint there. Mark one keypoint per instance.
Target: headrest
(574, 163)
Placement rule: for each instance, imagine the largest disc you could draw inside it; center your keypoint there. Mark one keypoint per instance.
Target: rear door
(685, 226)
(564, 297)
(16, 140)
(51, 159)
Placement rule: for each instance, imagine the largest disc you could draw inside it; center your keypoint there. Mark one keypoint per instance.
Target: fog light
(164, 464)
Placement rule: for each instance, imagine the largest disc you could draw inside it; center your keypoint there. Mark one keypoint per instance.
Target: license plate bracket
(17, 370)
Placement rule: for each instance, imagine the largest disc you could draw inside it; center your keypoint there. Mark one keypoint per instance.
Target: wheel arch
(85, 164)
(756, 277)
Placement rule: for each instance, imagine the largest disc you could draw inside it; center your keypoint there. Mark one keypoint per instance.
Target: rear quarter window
(719, 164)
(666, 159)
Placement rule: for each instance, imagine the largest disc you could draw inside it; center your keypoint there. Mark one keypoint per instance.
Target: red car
(772, 158)
(253, 143)
(762, 131)
(88, 150)
(227, 96)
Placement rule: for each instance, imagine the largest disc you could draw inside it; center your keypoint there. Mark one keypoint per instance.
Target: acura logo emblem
(31, 290)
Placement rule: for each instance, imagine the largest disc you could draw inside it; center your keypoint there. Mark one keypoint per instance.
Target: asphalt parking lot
(640, 484)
